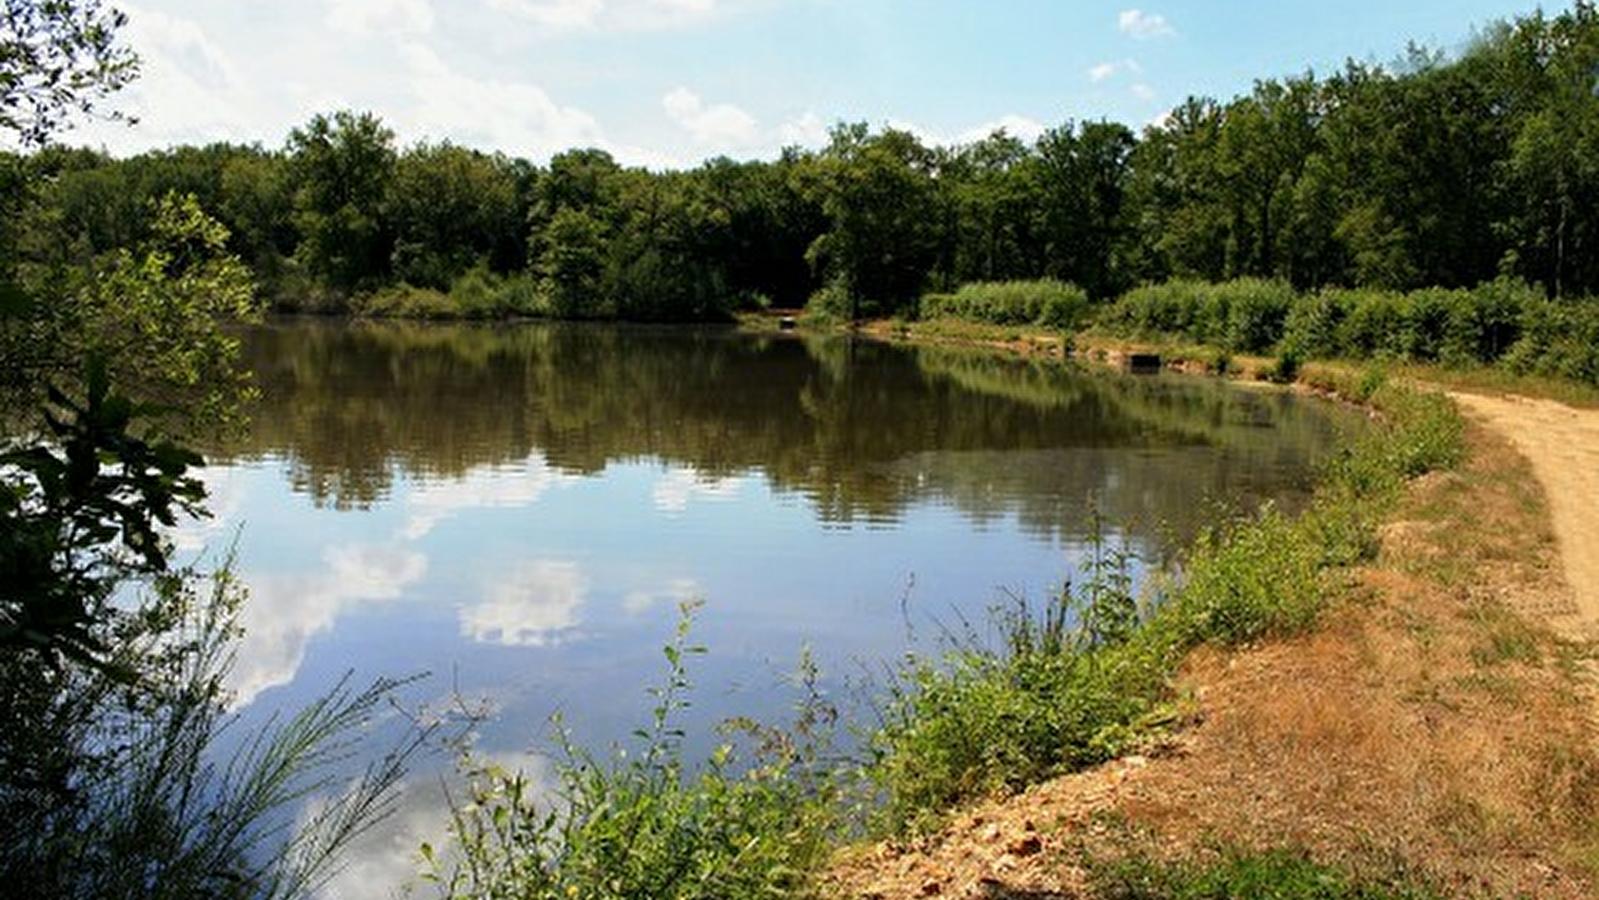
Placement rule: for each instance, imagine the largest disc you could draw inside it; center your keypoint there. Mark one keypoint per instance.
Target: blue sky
(673, 82)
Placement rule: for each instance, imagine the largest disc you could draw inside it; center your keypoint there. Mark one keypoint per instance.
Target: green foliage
(1065, 687)
(1048, 303)
(884, 214)
(60, 60)
(1557, 339)
(1504, 322)
(1426, 434)
(1278, 874)
(81, 512)
(451, 210)
(1257, 578)
(343, 166)
(153, 315)
(476, 294)
(644, 824)
(1242, 316)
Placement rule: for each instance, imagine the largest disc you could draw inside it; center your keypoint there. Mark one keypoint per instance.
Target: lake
(522, 511)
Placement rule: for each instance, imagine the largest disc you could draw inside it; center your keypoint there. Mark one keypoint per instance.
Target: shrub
(1312, 327)
(1253, 579)
(1243, 316)
(1486, 322)
(1250, 314)
(1558, 339)
(1156, 309)
(1065, 687)
(1048, 303)
(1371, 327)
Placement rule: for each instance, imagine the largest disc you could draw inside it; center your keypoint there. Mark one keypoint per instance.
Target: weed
(1063, 687)
(1279, 874)
(645, 824)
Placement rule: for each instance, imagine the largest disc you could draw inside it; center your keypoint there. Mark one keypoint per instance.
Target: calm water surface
(521, 511)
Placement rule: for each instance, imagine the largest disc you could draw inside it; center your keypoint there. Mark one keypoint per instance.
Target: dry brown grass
(1436, 721)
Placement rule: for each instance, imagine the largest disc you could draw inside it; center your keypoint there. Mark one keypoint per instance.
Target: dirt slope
(1442, 720)
(1562, 444)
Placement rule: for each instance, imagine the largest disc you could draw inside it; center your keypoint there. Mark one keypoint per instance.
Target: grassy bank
(1089, 676)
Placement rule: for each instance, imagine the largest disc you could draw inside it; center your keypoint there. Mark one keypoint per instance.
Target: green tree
(572, 266)
(1553, 165)
(1175, 188)
(1082, 176)
(992, 200)
(449, 209)
(342, 167)
(257, 203)
(881, 198)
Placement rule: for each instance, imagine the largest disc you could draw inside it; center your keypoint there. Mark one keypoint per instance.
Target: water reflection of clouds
(678, 487)
(536, 605)
(225, 500)
(284, 612)
(432, 502)
(676, 592)
(385, 861)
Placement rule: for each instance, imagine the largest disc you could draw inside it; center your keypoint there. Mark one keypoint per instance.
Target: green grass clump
(1275, 874)
(1256, 578)
(645, 823)
(1046, 302)
(1064, 688)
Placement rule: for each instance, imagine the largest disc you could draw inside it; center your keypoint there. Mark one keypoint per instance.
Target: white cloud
(380, 16)
(1143, 26)
(517, 118)
(809, 130)
(185, 91)
(1022, 127)
(634, 15)
(382, 862)
(675, 592)
(555, 14)
(720, 125)
(532, 607)
(283, 613)
(1107, 70)
(1144, 92)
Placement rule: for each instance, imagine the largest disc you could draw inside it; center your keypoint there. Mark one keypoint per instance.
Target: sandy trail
(1562, 443)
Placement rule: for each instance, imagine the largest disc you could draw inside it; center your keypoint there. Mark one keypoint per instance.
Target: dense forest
(1427, 172)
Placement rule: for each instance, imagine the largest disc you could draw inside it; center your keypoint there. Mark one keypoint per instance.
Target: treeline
(1425, 173)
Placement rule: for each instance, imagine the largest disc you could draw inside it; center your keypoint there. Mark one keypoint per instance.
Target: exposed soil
(1441, 722)
(1562, 443)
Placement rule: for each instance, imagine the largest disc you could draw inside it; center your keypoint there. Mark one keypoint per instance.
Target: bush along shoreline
(1080, 679)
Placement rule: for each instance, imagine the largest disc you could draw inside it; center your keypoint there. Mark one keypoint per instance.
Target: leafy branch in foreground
(58, 60)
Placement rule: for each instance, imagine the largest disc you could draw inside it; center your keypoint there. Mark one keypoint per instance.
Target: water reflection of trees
(861, 429)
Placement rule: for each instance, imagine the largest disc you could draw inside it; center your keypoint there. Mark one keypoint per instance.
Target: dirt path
(1562, 443)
